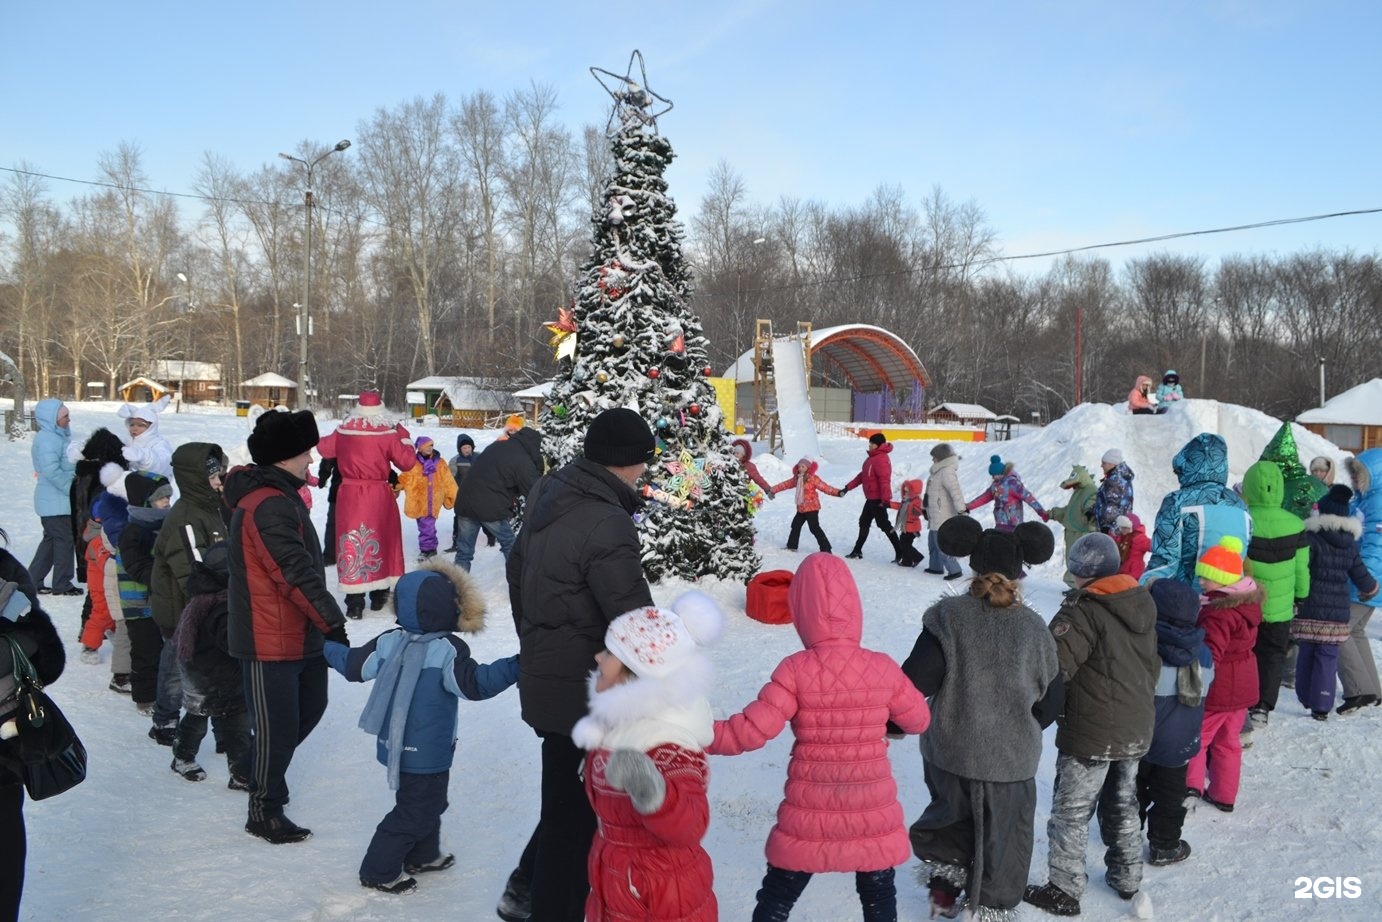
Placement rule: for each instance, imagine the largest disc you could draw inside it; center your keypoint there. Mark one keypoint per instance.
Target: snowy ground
(136, 841)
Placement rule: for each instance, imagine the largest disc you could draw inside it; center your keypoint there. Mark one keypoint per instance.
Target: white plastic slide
(793, 403)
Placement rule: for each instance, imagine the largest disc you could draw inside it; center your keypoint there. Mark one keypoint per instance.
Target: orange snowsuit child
(908, 524)
(427, 487)
(808, 488)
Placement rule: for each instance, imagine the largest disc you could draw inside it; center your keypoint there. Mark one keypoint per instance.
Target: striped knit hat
(1223, 563)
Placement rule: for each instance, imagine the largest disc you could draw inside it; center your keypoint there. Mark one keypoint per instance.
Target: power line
(1160, 238)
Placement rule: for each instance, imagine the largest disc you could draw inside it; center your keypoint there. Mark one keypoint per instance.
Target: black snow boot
(516, 905)
(355, 606)
(858, 552)
(378, 598)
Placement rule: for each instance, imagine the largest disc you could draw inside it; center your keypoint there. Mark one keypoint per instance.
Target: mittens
(634, 773)
(338, 635)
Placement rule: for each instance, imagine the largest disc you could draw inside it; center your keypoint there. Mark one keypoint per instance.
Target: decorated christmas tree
(1302, 490)
(629, 339)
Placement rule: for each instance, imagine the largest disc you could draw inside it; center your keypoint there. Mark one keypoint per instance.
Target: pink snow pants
(1219, 741)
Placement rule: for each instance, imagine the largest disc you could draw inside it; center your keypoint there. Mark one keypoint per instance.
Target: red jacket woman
(1133, 546)
(877, 479)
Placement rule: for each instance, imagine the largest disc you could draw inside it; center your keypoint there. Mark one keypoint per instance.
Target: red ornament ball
(694, 409)
(707, 371)
(653, 373)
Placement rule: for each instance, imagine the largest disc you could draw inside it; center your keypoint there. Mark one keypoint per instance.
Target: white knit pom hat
(654, 642)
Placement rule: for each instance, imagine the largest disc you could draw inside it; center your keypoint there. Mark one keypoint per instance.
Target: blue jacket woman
(52, 497)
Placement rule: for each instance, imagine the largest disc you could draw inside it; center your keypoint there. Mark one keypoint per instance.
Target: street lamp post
(305, 309)
(187, 325)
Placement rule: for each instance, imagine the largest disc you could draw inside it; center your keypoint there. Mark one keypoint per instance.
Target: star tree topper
(633, 99)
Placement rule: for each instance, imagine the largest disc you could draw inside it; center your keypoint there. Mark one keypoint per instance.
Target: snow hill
(136, 841)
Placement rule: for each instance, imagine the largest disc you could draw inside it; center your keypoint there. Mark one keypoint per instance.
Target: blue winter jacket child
(421, 670)
(1180, 695)
(1193, 518)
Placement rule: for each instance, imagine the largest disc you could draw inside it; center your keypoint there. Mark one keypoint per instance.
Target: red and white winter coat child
(1133, 545)
(646, 771)
(841, 811)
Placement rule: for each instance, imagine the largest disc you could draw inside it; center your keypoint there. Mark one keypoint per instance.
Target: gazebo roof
(869, 357)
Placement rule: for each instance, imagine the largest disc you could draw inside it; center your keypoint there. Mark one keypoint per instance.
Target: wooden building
(1352, 420)
(462, 402)
(192, 382)
(270, 390)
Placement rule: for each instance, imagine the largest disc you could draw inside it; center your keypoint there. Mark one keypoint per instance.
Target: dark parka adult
(576, 567)
(23, 619)
(280, 611)
(502, 473)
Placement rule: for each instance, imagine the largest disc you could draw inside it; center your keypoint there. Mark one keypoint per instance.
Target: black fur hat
(993, 551)
(105, 447)
(280, 436)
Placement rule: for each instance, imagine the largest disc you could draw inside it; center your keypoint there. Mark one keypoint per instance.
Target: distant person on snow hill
(1007, 493)
(877, 478)
(1142, 399)
(1169, 391)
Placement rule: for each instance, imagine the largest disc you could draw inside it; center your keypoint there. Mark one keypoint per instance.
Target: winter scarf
(429, 463)
(1178, 644)
(396, 681)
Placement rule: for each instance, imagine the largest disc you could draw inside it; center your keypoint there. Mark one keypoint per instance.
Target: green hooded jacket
(199, 508)
(1278, 553)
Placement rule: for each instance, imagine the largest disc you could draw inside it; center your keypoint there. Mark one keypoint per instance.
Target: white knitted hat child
(654, 642)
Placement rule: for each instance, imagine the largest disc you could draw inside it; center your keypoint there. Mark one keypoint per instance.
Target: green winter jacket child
(1077, 515)
(1279, 554)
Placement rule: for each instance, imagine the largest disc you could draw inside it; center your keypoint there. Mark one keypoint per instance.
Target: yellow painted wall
(923, 433)
(724, 397)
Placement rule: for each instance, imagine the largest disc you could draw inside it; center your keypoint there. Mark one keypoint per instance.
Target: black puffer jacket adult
(280, 606)
(200, 509)
(576, 567)
(502, 473)
(37, 638)
(1106, 645)
(104, 447)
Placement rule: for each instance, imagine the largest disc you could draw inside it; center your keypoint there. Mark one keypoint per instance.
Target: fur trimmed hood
(1244, 592)
(1359, 474)
(424, 603)
(646, 712)
(1342, 523)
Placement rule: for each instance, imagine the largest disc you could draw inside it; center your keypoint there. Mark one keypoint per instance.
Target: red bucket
(767, 597)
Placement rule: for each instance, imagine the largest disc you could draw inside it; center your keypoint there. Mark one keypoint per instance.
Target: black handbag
(46, 753)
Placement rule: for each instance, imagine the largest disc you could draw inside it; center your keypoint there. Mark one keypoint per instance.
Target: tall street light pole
(187, 327)
(305, 308)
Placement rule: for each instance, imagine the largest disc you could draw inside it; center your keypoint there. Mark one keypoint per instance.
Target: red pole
(1079, 377)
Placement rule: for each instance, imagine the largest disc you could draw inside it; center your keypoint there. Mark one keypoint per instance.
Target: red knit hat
(1222, 563)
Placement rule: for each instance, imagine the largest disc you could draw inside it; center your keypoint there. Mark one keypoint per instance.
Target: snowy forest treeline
(450, 232)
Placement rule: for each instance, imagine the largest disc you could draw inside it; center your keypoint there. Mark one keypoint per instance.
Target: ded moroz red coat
(369, 535)
(840, 812)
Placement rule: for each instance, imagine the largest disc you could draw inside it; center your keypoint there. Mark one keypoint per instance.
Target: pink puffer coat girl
(840, 812)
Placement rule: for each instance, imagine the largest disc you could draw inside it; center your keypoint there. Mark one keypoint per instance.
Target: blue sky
(1069, 123)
